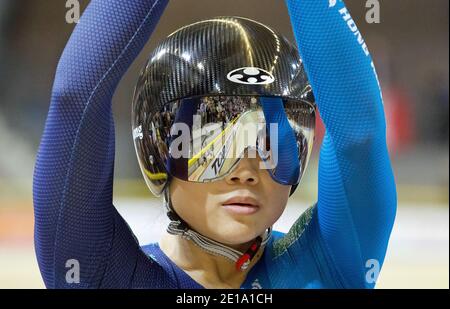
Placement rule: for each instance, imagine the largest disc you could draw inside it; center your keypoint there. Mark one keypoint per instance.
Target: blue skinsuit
(337, 243)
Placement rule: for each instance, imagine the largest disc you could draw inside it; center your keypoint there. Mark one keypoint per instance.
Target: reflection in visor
(219, 131)
(244, 136)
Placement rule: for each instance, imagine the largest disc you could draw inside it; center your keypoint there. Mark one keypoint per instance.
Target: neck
(209, 270)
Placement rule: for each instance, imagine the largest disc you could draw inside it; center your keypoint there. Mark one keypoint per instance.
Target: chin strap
(242, 260)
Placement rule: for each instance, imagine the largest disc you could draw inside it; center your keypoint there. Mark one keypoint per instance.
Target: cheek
(187, 200)
(276, 200)
(191, 201)
(277, 205)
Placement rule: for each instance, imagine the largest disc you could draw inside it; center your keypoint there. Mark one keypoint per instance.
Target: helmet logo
(251, 76)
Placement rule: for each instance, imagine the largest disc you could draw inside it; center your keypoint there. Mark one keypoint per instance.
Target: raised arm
(357, 193)
(72, 189)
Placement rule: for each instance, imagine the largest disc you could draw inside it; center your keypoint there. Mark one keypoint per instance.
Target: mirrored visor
(202, 139)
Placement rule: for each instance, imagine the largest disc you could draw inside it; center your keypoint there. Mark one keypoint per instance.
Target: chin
(236, 233)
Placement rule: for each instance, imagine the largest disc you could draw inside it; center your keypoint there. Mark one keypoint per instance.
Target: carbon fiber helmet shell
(209, 58)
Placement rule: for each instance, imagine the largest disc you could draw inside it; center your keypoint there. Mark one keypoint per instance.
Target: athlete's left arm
(357, 193)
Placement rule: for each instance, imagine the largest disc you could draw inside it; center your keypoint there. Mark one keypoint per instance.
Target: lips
(243, 205)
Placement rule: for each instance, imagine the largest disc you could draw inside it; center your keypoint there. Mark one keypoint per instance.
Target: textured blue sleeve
(357, 193)
(72, 189)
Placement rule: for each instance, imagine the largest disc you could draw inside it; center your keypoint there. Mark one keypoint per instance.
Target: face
(233, 210)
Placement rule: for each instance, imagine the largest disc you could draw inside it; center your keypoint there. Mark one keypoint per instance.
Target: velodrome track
(418, 255)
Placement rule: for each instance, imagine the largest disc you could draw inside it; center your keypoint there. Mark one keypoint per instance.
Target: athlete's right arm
(75, 221)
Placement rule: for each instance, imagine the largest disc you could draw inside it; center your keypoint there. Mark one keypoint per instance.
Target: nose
(246, 173)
